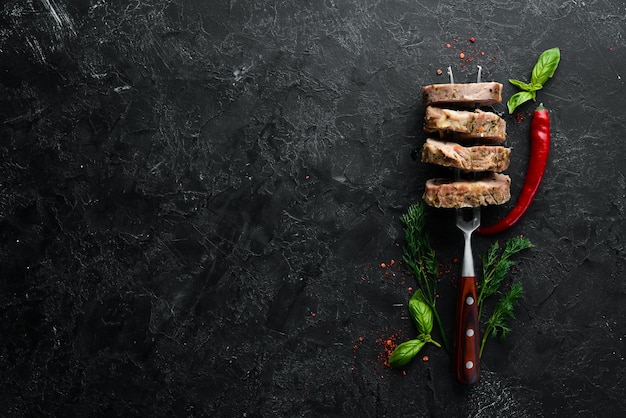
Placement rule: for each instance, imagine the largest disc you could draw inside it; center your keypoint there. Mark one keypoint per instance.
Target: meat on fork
(476, 158)
(491, 189)
(465, 125)
(466, 95)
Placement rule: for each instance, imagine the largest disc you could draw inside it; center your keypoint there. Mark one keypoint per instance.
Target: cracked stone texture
(197, 196)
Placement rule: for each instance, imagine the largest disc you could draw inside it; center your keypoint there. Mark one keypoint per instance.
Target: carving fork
(467, 329)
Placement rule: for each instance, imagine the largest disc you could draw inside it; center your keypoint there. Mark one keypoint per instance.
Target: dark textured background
(196, 197)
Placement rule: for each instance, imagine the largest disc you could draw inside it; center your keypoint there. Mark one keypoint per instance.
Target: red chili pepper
(539, 151)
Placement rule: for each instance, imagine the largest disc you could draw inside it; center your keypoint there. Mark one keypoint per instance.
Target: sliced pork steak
(490, 189)
(466, 95)
(464, 125)
(477, 158)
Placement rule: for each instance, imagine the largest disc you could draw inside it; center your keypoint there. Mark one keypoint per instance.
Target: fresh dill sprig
(503, 311)
(417, 253)
(496, 265)
(420, 258)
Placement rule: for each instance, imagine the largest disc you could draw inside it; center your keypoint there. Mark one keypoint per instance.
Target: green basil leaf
(545, 66)
(521, 84)
(421, 312)
(519, 98)
(405, 352)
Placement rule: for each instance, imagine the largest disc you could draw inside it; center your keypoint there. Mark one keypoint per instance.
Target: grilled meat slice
(468, 95)
(477, 158)
(465, 125)
(490, 189)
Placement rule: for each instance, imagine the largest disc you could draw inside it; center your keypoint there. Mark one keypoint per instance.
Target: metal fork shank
(467, 269)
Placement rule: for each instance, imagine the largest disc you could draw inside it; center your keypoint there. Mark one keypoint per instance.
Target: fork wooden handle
(467, 333)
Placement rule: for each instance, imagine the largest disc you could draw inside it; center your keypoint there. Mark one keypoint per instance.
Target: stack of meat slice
(468, 139)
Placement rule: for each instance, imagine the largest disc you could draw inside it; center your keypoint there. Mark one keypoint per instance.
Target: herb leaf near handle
(421, 312)
(405, 352)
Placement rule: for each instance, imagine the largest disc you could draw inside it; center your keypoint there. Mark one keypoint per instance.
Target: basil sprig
(543, 70)
(422, 314)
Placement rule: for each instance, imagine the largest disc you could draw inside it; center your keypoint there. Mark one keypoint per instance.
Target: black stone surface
(196, 197)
